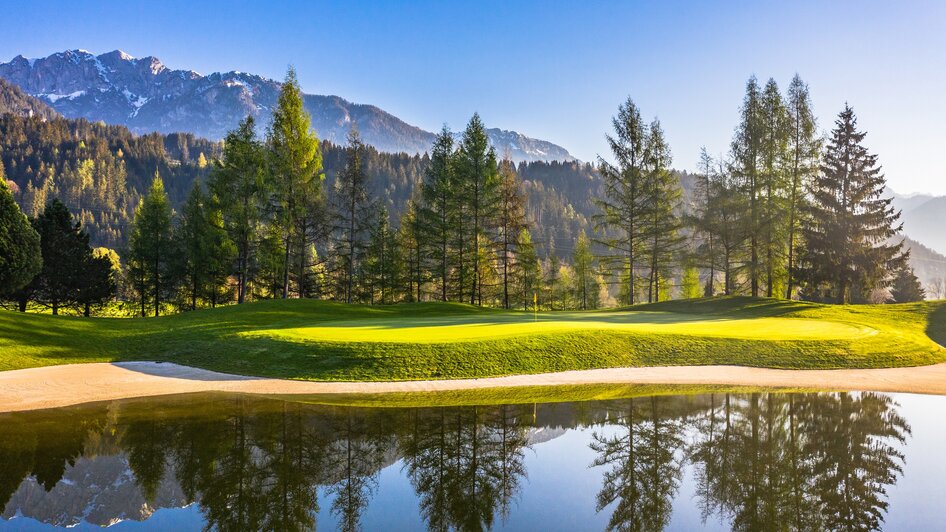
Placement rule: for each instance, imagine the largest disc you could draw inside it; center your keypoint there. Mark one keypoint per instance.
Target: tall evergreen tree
(66, 253)
(204, 246)
(529, 270)
(662, 223)
(382, 260)
(411, 251)
(353, 215)
(99, 279)
(804, 153)
(238, 187)
(850, 222)
(437, 217)
(772, 179)
(510, 222)
(479, 181)
(747, 148)
(295, 162)
(151, 253)
(20, 255)
(622, 207)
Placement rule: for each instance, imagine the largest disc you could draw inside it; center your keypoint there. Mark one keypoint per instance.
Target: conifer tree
(438, 217)
(583, 262)
(622, 207)
(480, 184)
(295, 164)
(238, 187)
(66, 253)
(411, 251)
(662, 223)
(99, 279)
(747, 147)
(510, 222)
(352, 215)
(552, 280)
(804, 152)
(850, 222)
(204, 246)
(529, 271)
(772, 179)
(382, 260)
(906, 287)
(151, 252)
(20, 255)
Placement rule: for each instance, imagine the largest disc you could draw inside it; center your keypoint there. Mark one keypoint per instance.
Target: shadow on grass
(936, 325)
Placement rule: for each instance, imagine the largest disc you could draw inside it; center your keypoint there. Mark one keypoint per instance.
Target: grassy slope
(329, 341)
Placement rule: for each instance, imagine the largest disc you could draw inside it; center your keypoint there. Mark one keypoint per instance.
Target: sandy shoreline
(57, 386)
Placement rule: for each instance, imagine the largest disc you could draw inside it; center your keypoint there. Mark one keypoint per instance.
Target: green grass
(315, 340)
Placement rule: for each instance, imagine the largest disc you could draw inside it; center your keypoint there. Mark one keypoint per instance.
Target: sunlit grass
(330, 341)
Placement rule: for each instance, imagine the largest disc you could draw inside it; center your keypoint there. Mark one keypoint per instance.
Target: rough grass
(315, 340)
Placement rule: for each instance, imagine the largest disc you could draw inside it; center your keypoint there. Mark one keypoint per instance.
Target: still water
(760, 461)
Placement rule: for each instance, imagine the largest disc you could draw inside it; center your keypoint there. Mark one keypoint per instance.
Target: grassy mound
(317, 340)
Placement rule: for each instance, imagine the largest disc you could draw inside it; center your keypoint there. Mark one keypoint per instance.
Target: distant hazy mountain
(924, 218)
(146, 96)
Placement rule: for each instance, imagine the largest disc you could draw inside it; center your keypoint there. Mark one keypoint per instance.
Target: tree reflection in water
(759, 461)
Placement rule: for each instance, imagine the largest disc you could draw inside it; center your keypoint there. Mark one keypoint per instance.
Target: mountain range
(145, 95)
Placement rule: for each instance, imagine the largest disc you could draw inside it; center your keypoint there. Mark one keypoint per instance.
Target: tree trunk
(22, 304)
(88, 311)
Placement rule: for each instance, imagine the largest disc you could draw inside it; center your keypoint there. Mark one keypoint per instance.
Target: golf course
(325, 341)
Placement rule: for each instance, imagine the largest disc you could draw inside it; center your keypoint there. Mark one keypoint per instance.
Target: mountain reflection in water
(763, 461)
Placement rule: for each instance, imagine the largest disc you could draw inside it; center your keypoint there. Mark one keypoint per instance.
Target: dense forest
(187, 222)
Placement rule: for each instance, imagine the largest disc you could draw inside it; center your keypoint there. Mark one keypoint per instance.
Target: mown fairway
(329, 341)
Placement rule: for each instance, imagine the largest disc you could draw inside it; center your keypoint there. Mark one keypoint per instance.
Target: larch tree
(437, 217)
(772, 178)
(804, 154)
(622, 209)
(479, 182)
(238, 188)
(411, 251)
(151, 252)
(850, 221)
(583, 263)
(20, 255)
(382, 260)
(529, 271)
(295, 165)
(510, 222)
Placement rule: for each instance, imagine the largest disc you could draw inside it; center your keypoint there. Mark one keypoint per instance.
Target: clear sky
(551, 70)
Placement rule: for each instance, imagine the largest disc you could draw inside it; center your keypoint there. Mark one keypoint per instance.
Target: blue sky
(554, 70)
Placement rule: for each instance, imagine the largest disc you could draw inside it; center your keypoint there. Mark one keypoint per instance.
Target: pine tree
(238, 188)
(510, 222)
(623, 208)
(479, 180)
(662, 223)
(850, 222)
(151, 252)
(772, 179)
(552, 280)
(411, 251)
(438, 217)
(382, 260)
(353, 215)
(204, 246)
(804, 152)
(20, 255)
(295, 164)
(906, 287)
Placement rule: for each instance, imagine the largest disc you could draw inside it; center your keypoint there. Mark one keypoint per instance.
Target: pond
(747, 461)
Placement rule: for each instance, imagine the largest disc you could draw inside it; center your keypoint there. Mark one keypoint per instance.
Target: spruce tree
(529, 271)
(906, 287)
(772, 179)
(850, 222)
(622, 209)
(20, 255)
(437, 216)
(295, 165)
(205, 248)
(480, 185)
(353, 215)
(804, 153)
(99, 279)
(583, 263)
(151, 251)
(238, 188)
(411, 252)
(382, 260)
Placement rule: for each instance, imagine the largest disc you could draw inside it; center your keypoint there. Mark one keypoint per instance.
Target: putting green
(484, 327)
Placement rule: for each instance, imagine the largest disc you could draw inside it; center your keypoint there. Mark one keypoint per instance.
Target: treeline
(782, 215)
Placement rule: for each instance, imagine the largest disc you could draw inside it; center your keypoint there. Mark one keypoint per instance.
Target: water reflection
(758, 461)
